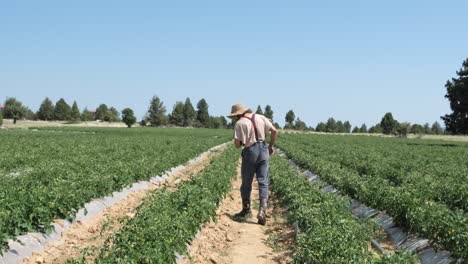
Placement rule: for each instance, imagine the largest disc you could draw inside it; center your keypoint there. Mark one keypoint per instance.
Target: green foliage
(60, 172)
(417, 129)
(203, 117)
(347, 127)
(46, 110)
(340, 128)
(321, 127)
(388, 124)
(290, 116)
(62, 110)
(363, 129)
(87, 115)
(259, 111)
(406, 178)
(218, 122)
(331, 125)
(128, 117)
(377, 129)
(1, 118)
(177, 116)
(102, 112)
(300, 125)
(157, 112)
(437, 129)
(268, 112)
(75, 112)
(167, 221)
(112, 115)
(189, 113)
(14, 109)
(457, 93)
(403, 129)
(356, 130)
(327, 231)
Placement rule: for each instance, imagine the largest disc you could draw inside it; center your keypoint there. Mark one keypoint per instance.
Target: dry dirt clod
(213, 260)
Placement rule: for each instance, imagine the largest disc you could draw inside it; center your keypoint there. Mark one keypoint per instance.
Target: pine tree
(355, 130)
(363, 129)
(46, 110)
(347, 127)
(177, 116)
(457, 94)
(62, 111)
(388, 124)
(157, 112)
(321, 127)
(437, 129)
(331, 125)
(268, 112)
(189, 113)
(259, 111)
(203, 116)
(75, 112)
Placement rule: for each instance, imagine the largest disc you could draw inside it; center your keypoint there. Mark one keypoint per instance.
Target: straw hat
(238, 109)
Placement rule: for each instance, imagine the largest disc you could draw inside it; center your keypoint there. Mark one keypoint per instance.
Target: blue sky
(353, 60)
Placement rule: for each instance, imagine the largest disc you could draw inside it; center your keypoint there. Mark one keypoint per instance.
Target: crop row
(436, 170)
(46, 175)
(167, 221)
(446, 228)
(328, 232)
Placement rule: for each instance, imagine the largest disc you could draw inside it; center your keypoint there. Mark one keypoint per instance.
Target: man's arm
(271, 148)
(238, 143)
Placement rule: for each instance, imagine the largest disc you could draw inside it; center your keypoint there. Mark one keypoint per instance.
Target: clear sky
(353, 60)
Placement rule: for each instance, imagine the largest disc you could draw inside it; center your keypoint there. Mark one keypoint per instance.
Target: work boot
(262, 212)
(246, 211)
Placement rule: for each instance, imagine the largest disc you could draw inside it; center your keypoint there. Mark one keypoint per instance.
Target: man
(250, 132)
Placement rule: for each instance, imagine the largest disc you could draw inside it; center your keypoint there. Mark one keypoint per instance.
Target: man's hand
(271, 150)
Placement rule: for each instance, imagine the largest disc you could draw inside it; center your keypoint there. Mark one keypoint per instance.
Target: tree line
(388, 125)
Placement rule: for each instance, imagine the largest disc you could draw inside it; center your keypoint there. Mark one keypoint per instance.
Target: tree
(363, 129)
(356, 130)
(375, 129)
(457, 94)
(46, 110)
(218, 122)
(157, 112)
(75, 112)
(347, 127)
(268, 112)
(87, 115)
(128, 117)
(1, 119)
(259, 111)
(112, 115)
(427, 128)
(13, 109)
(62, 111)
(300, 125)
(321, 127)
(189, 113)
(437, 128)
(403, 129)
(203, 117)
(29, 114)
(177, 117)
(340, 128)
(102, 112)
(388, 124)
(290, 117)
(331, 125)
(416, 129)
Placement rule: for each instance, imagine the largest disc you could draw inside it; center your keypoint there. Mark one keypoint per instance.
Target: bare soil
(89, 236)
(246, 242)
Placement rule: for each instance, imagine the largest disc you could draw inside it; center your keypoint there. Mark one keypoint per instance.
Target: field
(50, 173)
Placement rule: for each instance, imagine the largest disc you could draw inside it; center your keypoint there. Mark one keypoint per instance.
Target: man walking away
(250, 132)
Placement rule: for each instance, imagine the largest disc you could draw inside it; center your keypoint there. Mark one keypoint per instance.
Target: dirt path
(228, 241)
(90, 235)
